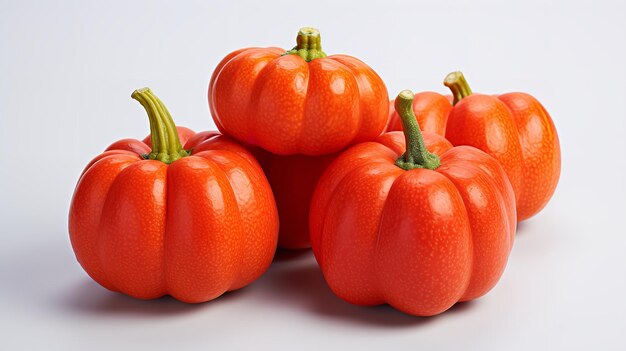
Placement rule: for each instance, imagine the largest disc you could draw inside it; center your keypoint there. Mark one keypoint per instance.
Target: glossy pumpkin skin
(483, 121)
(289, 106)
(431, 110)
(419, 240)
(293, 179)
(541, 152)
(515, 129)
(194, 229)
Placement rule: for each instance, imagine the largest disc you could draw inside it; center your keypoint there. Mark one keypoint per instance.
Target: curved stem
(157, 135)
(166, 145)
(308, 45)
(416, 155)
(458, 85)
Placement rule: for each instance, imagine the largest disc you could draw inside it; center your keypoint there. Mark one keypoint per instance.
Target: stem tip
(309, 32)
(139, 91)
(458, 86)
(453, 77)
(406, 95)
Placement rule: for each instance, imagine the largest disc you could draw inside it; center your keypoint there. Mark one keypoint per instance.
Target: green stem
(309, 45)
(458, 85)
(166, 145)
(416, 155)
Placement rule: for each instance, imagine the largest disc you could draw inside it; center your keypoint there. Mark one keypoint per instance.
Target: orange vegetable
(392, 222)
(516, 130)
(298, 101)
(191, 222)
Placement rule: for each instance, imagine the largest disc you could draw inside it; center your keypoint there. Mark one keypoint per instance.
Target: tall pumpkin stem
(166, 145)
(416, 155)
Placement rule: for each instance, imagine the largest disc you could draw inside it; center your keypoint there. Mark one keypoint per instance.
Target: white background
(66, 74)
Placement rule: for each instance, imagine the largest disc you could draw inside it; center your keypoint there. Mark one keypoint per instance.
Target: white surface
(66, 74)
